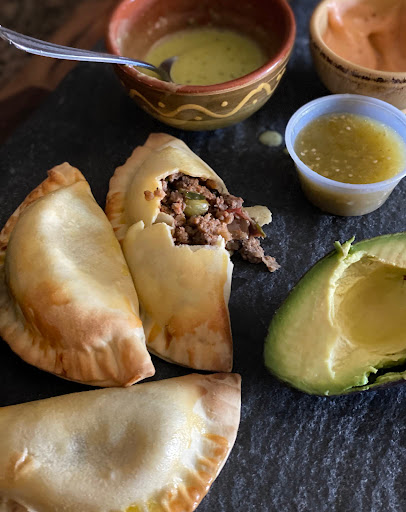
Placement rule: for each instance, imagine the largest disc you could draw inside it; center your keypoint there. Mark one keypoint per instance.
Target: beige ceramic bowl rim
(286, 46)
(393, 77)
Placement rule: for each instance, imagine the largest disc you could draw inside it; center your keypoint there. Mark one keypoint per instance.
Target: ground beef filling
(202, 214)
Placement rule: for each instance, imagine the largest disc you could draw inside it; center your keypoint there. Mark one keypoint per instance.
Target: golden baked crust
(182, 295)
(156, 446)
(183, 290)
(67, 302)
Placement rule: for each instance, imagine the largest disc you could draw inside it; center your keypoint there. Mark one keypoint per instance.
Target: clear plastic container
(332, 196)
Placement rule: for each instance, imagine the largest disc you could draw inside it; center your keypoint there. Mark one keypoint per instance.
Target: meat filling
(202, 214)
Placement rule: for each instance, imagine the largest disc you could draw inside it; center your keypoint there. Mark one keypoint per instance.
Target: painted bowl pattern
(207, 107)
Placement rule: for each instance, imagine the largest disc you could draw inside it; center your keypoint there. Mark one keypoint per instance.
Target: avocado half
(343, 327)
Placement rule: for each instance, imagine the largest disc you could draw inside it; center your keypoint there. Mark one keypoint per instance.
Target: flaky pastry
(154, 447)
(67, 301)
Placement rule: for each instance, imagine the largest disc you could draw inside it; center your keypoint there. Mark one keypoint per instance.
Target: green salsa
(207, 55)
(351, 148)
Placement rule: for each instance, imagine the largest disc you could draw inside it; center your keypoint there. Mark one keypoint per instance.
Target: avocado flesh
(343, 327)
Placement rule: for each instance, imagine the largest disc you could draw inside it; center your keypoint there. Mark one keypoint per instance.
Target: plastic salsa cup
(345, 199)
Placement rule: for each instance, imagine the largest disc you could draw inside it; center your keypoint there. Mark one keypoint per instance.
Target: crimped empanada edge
(59, 176)
(13, 330)
(11, 327)
(122, 178)
(220, 407)
(221, 404)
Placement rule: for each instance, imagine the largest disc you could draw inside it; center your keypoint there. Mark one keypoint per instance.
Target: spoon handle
(45, 49)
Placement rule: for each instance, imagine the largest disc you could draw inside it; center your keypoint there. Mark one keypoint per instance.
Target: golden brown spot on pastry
(219, 449)
(202, 391)
(63, 335)
(37, 323)
(183, 500)
(154, 332)
(130, 307)
(168, 337)
(184, 323)
(52, 293)
(50, 310)
(204, 475)
(191, 354)
(178, 505)
(20, 463)
(220, 441)
(13, 506)
(180, 497)
(59, 363)
(188, 494)
(199, 336)
(210, 463)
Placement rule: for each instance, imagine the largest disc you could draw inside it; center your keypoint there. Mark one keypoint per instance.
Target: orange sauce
(370, 33)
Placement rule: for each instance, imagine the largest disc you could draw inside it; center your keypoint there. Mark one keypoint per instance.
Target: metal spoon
(45, 49)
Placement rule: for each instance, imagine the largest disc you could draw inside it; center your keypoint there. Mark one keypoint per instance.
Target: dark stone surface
(294, 452)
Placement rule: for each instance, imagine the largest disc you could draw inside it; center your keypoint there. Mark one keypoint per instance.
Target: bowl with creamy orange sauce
(231, 56)
(359, 47)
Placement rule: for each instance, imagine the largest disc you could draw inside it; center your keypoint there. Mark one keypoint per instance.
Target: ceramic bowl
(342, 76)
(212, 106)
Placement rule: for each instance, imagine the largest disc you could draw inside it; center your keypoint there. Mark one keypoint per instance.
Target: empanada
(177, 223)
(154, 447)
(67, 301)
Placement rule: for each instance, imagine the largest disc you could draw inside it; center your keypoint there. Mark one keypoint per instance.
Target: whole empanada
(67, 301)
(154, 447)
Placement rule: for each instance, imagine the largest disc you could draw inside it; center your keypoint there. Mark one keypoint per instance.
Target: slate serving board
(293, 452)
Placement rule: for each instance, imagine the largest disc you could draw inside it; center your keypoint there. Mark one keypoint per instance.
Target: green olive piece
(195, 207)
(192, 195)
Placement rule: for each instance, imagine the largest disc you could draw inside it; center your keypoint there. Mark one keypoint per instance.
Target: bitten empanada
(67, 301)
(178, 224)
(154, 447)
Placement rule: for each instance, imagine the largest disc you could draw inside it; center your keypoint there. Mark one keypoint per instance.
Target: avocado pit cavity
(370, 313)
(343, 326)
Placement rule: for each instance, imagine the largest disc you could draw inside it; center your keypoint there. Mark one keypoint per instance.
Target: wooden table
(20, 95)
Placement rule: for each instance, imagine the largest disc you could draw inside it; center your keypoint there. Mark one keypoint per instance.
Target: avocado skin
(279, 355)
